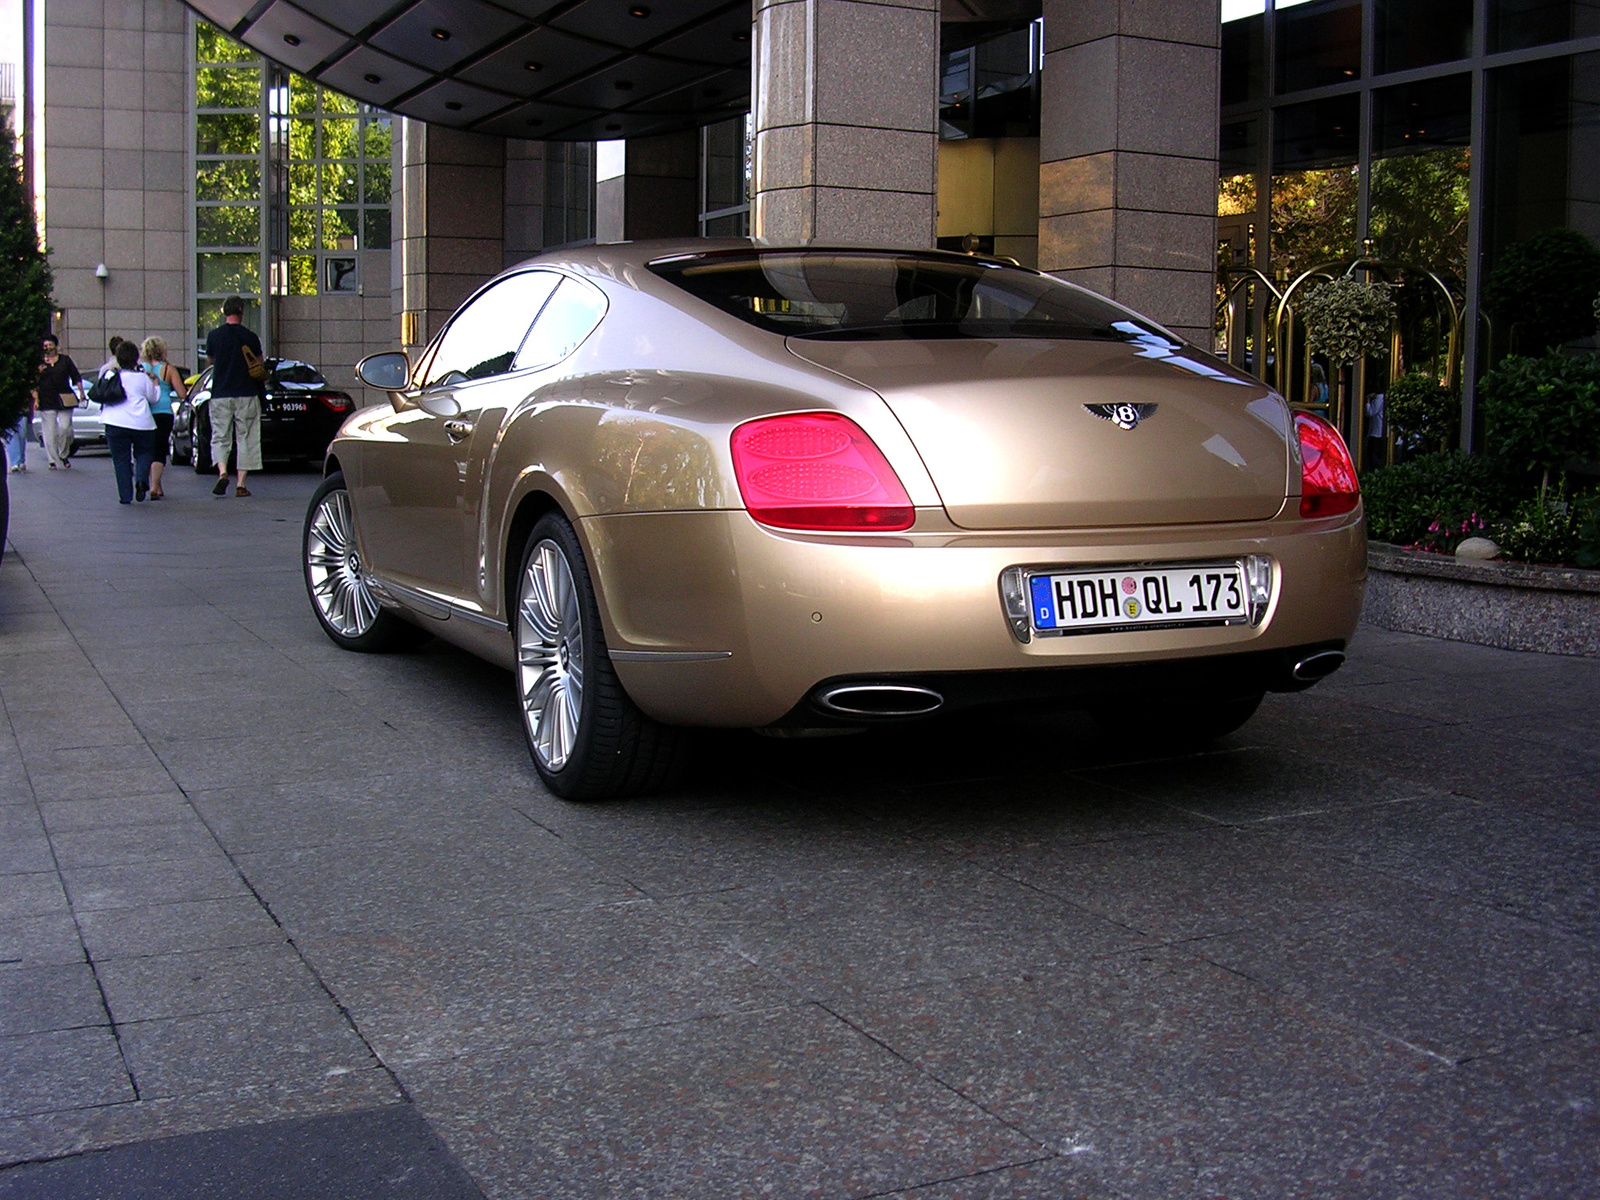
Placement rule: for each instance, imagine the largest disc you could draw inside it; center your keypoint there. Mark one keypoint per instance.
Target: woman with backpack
(170, 383)
(127, 395)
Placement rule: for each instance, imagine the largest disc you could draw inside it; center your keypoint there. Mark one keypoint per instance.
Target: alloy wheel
(333, 567)
(550, 666)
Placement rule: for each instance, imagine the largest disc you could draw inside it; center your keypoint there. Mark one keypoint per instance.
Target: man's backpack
(107, 390)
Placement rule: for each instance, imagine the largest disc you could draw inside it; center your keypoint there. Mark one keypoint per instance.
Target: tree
(25, 283)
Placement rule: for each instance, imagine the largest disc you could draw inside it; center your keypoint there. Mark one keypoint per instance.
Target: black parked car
(299, 416)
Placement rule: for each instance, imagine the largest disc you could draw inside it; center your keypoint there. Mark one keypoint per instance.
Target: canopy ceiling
(581, 70)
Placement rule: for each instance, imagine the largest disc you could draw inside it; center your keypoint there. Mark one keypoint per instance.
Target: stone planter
(1516, 606)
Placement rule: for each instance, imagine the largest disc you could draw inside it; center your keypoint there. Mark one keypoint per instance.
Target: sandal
(241, 490)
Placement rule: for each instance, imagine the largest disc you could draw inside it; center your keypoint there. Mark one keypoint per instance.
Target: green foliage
(1348, 319)
(211, 45)
(1421, 409)
(25, 284)
(1542, 289)
(1419, 210)
(1542, 413)
(1553, 529)
(1313, 216)
(1413, 502)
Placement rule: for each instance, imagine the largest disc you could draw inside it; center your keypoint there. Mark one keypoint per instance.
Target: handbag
(108, 390)
(253, 364)
(68, 398)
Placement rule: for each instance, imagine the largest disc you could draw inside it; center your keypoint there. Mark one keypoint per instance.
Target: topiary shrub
(1425, 413)
(1542, 289)
(1543, 413)
(1427, 501)
(1348, 319)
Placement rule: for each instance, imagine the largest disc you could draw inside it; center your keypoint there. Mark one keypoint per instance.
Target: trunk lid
(1004, 430)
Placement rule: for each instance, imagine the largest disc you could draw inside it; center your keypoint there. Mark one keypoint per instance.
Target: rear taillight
(337, 401)
(817, 471)
(1328, 484)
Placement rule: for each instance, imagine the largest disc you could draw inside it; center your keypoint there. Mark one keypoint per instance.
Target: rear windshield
(300, 373)
(859, 296)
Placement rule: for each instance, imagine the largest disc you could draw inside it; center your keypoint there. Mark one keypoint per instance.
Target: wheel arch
(532, 505)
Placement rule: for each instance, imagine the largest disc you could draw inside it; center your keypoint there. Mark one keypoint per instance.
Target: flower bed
(1516, 606)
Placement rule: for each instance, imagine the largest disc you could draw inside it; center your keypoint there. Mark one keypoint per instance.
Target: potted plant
(1347, 320)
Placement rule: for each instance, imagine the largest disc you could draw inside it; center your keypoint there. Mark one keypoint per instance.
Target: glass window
(1420, 166)
(377, 138)
(1318, 43)
(1244, 50)
(483, 338)
(869, 295)
(227, 225)
(1237, 165)
(1516, 24)
(375, 229)
(228, 273)
(339, 182)
(567, 319)
(208, 315)
(375, 183)
(227, 87)
(1314, 182)
(228, 180)
(1543, 150)
(1419, 33)
(339, 137)
(227, 133)
(211, 45)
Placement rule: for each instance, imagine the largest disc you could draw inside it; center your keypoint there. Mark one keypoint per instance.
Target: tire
(346, 607)
(588, 740)
(1183, 727)
(200, 444)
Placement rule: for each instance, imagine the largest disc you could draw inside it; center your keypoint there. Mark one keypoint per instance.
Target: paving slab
(1348, 951)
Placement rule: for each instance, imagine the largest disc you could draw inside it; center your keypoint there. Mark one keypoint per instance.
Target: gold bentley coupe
(716, 484)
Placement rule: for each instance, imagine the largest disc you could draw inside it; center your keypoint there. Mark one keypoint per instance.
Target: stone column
(524, 200)
(451, 217)
(845, 98)
(1128, 154)
(658, 193)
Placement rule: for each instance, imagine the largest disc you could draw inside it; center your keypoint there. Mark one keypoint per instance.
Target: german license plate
(1109, 599)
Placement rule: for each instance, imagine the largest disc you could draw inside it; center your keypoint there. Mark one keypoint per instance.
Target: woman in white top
(130, 427)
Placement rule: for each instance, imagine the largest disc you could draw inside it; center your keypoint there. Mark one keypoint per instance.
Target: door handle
(456, 429)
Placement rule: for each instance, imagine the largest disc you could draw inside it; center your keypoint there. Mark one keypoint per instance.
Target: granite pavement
(277, 920)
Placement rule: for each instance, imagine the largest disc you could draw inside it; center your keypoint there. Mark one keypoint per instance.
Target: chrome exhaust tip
(878, 700)
(1318, 666)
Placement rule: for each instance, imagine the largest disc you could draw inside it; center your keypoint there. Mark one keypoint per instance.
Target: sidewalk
(294, 906)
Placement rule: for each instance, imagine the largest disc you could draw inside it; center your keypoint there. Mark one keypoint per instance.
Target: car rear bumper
(715, 620)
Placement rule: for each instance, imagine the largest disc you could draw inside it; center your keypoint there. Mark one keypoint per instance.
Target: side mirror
(390, 371)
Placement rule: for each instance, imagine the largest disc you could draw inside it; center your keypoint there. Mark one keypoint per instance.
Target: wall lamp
(101, 272)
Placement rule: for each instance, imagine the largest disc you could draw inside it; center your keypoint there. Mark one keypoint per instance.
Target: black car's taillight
(337, 401)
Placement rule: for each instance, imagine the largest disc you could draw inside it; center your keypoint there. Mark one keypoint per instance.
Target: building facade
(356, 170)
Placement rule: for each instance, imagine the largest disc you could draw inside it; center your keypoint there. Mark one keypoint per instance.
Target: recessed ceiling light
(742, 36)
(442, 34)
(291, 39)
(639, 10)
(453, 105)
(371, 78)
(533, 66)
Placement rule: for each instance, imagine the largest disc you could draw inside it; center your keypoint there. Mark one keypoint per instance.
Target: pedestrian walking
(110, 363)
(56, 396)
(16, 439)
(130, 427)
(237, 371)
(169, 382)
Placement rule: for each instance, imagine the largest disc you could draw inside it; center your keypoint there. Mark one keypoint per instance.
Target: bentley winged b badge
(1123, 416)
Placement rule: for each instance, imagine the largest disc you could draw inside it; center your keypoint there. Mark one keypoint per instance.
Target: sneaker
(140, 491)
(221, 488)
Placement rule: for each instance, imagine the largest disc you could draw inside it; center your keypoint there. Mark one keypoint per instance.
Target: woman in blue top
(171, 383)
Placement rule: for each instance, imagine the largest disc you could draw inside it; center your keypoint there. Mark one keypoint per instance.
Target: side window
(482, 339)
(571, 316)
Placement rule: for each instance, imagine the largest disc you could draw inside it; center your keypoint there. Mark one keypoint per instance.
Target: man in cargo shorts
(235, 397)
